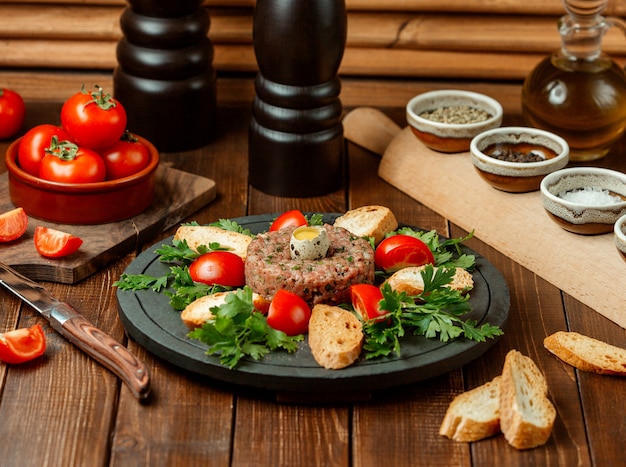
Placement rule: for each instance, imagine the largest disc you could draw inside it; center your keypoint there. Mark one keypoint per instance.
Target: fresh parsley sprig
(434, 313)
(447, 253)
(238, 330)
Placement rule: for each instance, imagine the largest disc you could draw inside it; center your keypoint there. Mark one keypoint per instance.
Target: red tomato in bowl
(34, 143)
(53, 243)
(293, 218)
(66, 162)
(12, 113)
(289, 313)
(22, 345)
(401, 251)
(13, 224)
(125, 158)
(94, 119)
(218, 268)
(366, 301)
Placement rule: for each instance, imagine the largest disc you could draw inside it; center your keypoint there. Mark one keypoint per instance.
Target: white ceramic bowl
(450, 137)
(591, 214)
(513, 176)
(620, 236)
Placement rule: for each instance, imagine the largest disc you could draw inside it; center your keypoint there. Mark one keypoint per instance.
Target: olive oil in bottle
(579, 92)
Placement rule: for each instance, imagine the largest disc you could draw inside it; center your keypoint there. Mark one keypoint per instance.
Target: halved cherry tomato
(293, 218)
(13, 224)
(12, 113)
(53, 243)
(218, 268)
(366, 301)
(289, 313)
(34, 143)
(22, 345)
(94, 119)
(66, 162)
(401, 251)
(126, 157)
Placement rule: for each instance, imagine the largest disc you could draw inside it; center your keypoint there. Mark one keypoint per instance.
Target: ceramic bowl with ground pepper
(620, 236)
(515, 159)
(447, 120)
(585, 200)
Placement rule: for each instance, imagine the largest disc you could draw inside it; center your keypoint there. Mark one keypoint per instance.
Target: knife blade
(78, 330)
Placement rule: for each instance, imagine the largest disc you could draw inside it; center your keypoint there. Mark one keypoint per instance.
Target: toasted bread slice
(197, 235)
(526, 414)
(335, 336)
(410, 280)
(199, 312)
(473, 415)
(587, 353)
(368, 221)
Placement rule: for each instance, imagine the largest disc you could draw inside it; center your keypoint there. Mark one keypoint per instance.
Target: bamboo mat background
(465, 39)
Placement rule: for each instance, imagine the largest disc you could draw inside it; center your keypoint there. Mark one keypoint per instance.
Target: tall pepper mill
(165, 77)
(296, 145)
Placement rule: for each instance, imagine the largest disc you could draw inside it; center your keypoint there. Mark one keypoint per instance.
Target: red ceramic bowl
(82, 203)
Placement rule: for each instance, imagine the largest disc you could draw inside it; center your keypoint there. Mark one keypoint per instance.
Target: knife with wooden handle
(78, 330)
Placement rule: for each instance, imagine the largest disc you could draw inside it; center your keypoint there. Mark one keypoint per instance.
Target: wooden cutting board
(178, 194)
(589, 268)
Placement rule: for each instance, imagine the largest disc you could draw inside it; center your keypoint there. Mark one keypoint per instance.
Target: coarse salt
(591, 196)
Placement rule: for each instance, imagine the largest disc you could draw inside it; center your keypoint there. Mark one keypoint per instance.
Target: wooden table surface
(64, 409)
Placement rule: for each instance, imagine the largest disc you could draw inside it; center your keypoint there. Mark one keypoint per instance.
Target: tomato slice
(54, 243)
(13, 224)
(402, 251)
(218, 268)
(22, 345)
(289, 313)
(366, 301)
(293, 218)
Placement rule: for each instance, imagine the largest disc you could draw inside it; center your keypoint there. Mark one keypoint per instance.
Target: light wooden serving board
(589, 268)
(177, 195)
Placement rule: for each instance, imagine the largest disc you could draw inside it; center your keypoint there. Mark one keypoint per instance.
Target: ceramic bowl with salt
(515, 159)
(447, 120)
(620, 236)
(585, 200)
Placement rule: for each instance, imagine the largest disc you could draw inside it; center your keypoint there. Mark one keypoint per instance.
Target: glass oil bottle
(579, 92)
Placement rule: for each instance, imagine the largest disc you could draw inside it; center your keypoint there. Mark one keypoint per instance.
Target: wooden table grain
(64, 409)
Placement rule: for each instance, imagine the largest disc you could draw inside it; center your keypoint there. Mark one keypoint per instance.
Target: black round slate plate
(150, 320)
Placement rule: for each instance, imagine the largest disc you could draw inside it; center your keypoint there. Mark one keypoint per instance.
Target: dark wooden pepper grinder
(296, 145)
(165, 77)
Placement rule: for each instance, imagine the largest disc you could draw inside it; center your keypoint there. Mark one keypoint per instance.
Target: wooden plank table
(64, 409)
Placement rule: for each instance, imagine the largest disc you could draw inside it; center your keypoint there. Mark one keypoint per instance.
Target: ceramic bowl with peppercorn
(585, 200)
(515, 159)
(447, 120)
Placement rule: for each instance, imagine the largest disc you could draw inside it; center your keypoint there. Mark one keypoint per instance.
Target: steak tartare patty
(269, 267)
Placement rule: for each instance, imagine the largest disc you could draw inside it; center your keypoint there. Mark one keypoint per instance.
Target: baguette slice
(587, 353)
(197, 235)
(199, 311)
(335, 336)
(474, 415)
(410, 280)
(368, 221)
(526, 414)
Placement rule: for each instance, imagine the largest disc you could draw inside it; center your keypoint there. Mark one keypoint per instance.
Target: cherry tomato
(366, 301)
(401, 251)
(126, 157)
(53, 243)
(12, 113)
(13, 224)
(289, 313)
(66, 162)
(34, 143)
(293, 218)
(218, 267)
(22, 345)
(94, 119)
